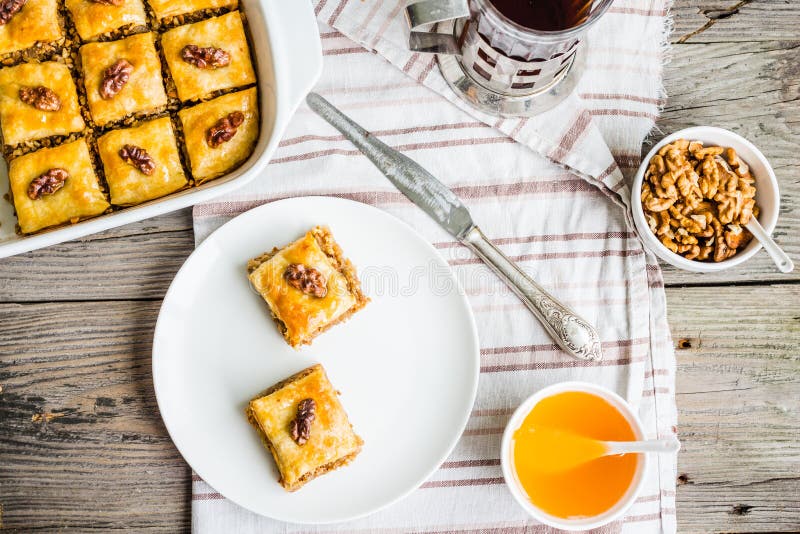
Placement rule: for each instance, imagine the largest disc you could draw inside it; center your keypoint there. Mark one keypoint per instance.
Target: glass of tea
(507, 56)
(548, 432)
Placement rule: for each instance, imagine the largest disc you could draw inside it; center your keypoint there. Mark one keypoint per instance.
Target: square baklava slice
(122, 78)
(141, 163)
(54, 186)
(93, 18)
(31, 23)
(38, 100)
(166, 9)
(309, 285)
(305, 427)
(208, 56)
(220, 134)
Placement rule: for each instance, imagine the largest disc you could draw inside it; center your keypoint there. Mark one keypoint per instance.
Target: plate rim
(473, 335)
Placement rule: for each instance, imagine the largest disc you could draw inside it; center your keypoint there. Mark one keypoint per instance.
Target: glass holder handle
(426, 12)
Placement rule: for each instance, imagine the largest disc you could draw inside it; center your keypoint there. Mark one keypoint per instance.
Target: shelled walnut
(698, 199)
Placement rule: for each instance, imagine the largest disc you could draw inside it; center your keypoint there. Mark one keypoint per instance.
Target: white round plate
(407, 365)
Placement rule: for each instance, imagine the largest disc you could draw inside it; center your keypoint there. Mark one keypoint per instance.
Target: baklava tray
(286, 56)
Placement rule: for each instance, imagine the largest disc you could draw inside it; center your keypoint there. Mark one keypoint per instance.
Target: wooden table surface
(82, 445)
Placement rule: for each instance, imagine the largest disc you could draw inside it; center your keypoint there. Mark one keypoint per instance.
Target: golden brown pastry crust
(226, 33)
(170, 8)
(37, 21)
(22, 122)
(301, 317)
(93, 19)
(332, 441)
(209, 162)
(126, 184)
(80, 198)
(144, 91)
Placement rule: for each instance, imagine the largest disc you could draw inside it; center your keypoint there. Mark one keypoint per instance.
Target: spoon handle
(669, 446)
(775, 252)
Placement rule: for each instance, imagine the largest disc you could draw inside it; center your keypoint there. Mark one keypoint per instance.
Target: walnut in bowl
(695, 191)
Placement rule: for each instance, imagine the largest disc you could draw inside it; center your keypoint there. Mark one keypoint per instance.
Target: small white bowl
(509, 473)
(767, 197)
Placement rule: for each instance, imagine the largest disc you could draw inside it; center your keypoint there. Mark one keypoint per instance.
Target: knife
(570, 332)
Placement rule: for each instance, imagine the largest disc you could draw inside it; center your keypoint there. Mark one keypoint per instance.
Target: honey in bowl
(555, 455)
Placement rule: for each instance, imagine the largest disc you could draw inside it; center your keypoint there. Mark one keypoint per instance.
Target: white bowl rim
(652, 242)
(616, 511)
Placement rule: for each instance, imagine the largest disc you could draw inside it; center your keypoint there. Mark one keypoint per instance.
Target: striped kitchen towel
(551, 191)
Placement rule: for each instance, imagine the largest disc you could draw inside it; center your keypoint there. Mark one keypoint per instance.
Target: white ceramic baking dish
(288, 58)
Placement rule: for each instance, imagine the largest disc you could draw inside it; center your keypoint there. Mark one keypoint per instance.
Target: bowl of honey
(549, 461)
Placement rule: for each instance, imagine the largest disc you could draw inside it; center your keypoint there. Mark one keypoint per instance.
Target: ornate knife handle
(572, 333)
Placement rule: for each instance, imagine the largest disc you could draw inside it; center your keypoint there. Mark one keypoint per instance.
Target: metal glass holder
(501, 104)
(493, 63)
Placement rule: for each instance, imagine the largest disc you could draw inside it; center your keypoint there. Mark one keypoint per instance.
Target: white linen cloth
(550, 191)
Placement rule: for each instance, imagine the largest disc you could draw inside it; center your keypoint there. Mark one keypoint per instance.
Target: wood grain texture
(137, 261)
(738, 395)
(698, 21)
(81, 442)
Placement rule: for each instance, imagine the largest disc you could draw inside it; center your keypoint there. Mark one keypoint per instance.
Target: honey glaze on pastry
(308, 285)
(53, 186)
(305, 427)
(211, 159)
(25, 115)
(127, 182)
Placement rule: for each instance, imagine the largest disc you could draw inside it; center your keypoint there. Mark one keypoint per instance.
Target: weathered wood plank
(734, 20)
(105, 460)
(137, 261)
(738, 394)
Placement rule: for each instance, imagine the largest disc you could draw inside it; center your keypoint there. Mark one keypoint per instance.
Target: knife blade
(570, 332)
(415, 182)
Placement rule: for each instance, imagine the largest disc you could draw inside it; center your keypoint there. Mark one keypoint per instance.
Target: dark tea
(545, 15)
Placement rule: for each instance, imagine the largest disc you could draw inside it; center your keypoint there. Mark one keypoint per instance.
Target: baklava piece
(38, 100)
(221, 133)
(208, 56)
(122, 78)
(165, 9)
(54, 186)
(26, 24)
(141, 163)
(309, 285)
(95, 18)
(305, 427)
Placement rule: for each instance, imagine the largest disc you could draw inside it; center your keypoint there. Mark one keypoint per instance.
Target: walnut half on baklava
(304, 426)
(53, 186)
(309, 285)
(141, 163)
(38, 100)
